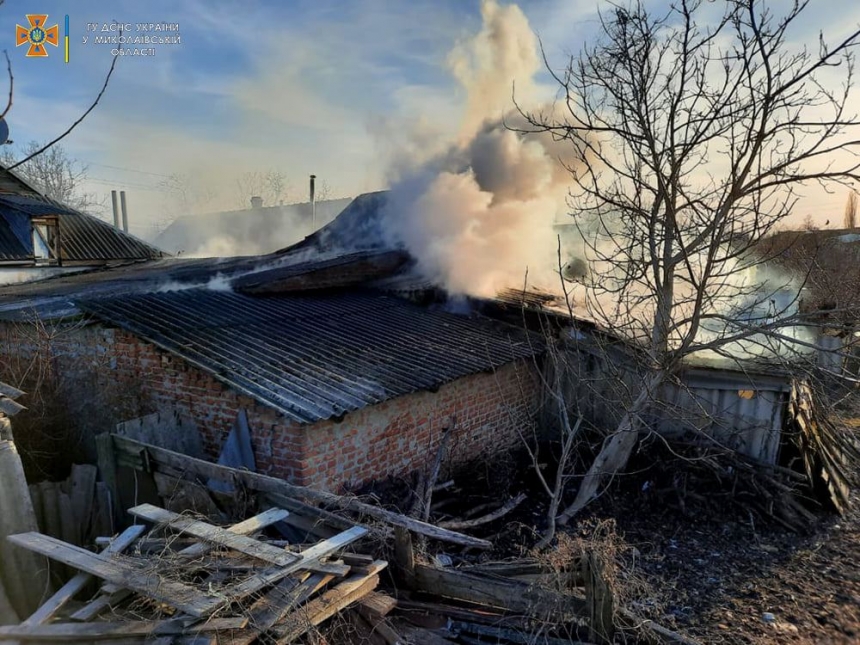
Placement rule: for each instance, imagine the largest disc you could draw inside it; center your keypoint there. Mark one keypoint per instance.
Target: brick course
(124, 376)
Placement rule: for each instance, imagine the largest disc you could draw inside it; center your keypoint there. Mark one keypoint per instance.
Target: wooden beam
(66, 632)
(114, 596)
(108, 470)
(506, 635)
(508, 595)
(56, 602)
(214, 534)
(123, 573)
(272, 607)
(267, 484)
(305, 559)
(376, 605)
(325, 606)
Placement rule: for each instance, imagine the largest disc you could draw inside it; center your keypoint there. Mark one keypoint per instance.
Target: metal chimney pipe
(124, 211)
(313, 203)
(115, 209)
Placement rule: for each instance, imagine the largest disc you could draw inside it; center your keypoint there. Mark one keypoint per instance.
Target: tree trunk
(616, 449)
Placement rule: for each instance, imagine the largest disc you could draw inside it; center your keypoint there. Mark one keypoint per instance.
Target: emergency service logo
(37, 35)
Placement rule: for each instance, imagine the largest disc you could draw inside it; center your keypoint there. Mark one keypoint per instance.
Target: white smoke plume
(480, 215)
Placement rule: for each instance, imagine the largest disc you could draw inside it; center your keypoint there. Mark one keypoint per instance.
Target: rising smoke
(480, 215)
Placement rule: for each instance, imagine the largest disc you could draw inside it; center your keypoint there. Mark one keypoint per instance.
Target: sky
(297, 86)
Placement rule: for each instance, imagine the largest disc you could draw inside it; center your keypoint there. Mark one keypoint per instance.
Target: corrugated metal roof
(82, 237)
(318, 357)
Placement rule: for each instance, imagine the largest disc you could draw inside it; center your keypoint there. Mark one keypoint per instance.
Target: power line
(114, 183)
(140, 172)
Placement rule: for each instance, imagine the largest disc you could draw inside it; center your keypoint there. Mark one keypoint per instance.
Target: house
(253, 231)
(339, 385)
(40, 237)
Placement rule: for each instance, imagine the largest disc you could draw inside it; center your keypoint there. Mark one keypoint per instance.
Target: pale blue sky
(300, 86)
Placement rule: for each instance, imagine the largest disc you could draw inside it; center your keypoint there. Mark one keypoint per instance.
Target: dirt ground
(702, 565)
(725, 580)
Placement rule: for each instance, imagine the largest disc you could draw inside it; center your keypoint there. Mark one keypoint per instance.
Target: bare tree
(850, 218)
(271, 185)
(809, 223)
(696, 128)
(55, 174)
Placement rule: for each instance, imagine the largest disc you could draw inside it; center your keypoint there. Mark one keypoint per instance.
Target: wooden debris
(376, 605)
(293, 585)
(121, 572)
(326, 606)
(68, 591)
(160, 457)
(827, 452)
(64, 632)
(213, 534)
(485, 519)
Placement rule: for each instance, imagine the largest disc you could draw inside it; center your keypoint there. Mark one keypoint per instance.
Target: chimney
(124, 211)
(256, 202)
(115, 209)
(313, 203)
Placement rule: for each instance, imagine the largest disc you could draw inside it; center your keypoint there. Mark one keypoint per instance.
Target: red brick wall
(118, 376)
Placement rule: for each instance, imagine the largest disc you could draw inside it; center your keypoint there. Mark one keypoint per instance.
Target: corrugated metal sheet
(741, 418)
(83, 237)
(739, 409)
(317, 357)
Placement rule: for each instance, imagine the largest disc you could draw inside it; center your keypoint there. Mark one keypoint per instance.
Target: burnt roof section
(359, 227)
(82, 237)
(318, 357)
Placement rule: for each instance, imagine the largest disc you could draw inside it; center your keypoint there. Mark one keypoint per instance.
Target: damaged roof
(315, 357)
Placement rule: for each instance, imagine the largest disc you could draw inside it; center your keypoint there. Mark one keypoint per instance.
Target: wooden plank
(83, 481)
(56, 602)
(246, 527)
(500, 634)
(65, 632)
(499, 593)
(325, 606)
(307, 557)
(123, 573)
(108, 469)
(267, 484)
(276, 604)
(214, 534)
(376, 605)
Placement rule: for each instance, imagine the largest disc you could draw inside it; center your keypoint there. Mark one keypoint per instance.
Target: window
(46, 239)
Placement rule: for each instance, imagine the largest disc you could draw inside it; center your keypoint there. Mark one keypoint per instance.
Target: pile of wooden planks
(185, 580)
(828, 452)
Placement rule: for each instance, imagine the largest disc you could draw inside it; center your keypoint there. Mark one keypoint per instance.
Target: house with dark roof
(341, 383)
(40, 237)
(252, 231)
